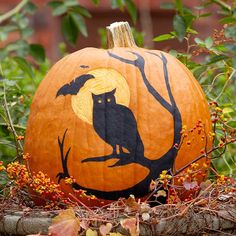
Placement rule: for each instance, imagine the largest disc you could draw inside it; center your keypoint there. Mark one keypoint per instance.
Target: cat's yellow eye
(99, 100)
(108, 99)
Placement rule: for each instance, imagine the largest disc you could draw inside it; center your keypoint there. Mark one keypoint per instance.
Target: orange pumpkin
(113, 118)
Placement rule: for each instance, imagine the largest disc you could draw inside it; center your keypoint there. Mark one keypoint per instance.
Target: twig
(81, 203)
(222, 4)
(225, 85)
(15, 126)
(220, 232)
(13, 11)
(17, 142)
(198, 158)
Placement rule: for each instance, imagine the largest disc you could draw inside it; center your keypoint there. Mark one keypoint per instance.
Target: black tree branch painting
(136, 149)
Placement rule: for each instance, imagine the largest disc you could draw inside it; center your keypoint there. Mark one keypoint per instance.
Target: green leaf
(23, 22)
(60, 10)
(24, 66)
(188, 20)
(163, 37)
(80, 23)
(230, 32)
(179, 27)
(117, 4)
(30, 8)
(199, 41)
(227, 110)
(103, 37)
(198, 70)
(173, 53)
(69, 29)
(3, 35)
(10, 82)
(82, 11)
(179, 6)
(3, 179)
(228, 20)
(8, 28)
(131, 9)
(220, 48)
(191, 31)
(167, 5)
(55, 4)
(205, 14)
(96, 2)
(20, 46)
(71, 3)
(199, 7)
(209, 42)
(26, 32)
(37, 52)
(215, 59)
(138, 37)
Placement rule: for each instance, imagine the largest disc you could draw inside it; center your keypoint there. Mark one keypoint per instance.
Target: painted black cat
(116, 124)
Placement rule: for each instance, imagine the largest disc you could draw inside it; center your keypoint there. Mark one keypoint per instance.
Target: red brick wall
(152, 21)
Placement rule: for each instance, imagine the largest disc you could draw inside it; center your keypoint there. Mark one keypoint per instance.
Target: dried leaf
(160, 193)
(145, 207)
(190, 185)
(131, 204)
(115, 234)
(66, 223)
(201, 202)
(205, 184)
(105, 229)
(90, 232)
(224, 197)
(130, 224)
(39, 234)
(145, 216)
(84, 224)
(152, 185)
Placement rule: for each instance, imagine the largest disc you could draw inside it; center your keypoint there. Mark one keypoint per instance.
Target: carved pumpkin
(112, 118)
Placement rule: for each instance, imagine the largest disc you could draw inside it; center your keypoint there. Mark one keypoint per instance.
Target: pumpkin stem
(119, 34)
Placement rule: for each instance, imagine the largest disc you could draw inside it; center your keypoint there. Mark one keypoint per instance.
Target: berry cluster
(82, 194)
(19, 173)
(2, 167)
(186, 134)
(164, 179)
(37, 183)
(218, 116)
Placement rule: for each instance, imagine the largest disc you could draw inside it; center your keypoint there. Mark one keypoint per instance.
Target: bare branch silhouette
(165, 162)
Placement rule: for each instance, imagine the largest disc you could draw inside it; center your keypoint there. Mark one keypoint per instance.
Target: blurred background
(152, 21)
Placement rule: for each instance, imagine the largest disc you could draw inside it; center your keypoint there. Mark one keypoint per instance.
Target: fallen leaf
(39, 234)
(205, 184)
(190, 185)
(130, 224)
(90, 232)
(145, 207)
(105, 229)
(84, 224)
(145, 216)
(131, 204)
(115, 234)
(66, 223)
(152, 185)
(224, 197)
(201, 202)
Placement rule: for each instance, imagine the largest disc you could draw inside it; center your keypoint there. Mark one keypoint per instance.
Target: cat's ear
(113, 91)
